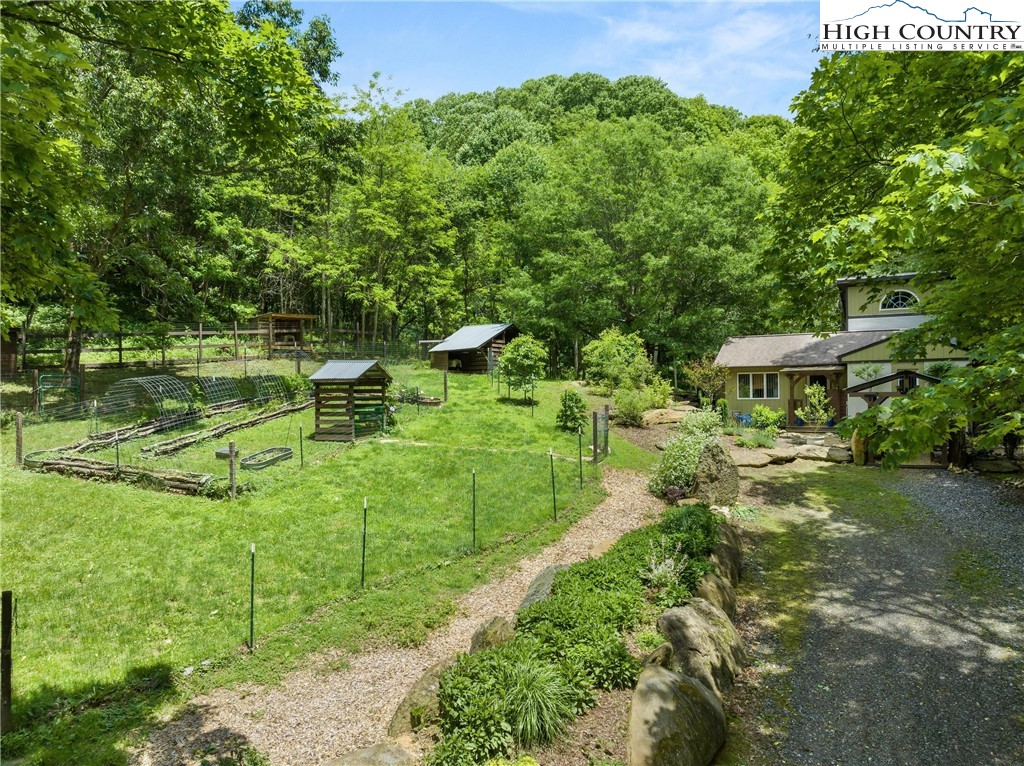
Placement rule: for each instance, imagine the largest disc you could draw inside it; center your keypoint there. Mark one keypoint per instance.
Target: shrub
(756, 439)
(678, 464)
(706, 376)
(522, 362)
(703, 422)
(767, 419)
(630, 405)
(722, 405)
(659, 393)
(817, 411)
(572, 412)
(649, 640)
(615, 360)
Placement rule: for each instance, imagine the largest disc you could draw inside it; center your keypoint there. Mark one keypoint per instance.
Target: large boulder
(706, 645)
(727, 556)
(717, 482)
(420, 705)
(812, 452)
(540, 588)
(495, 632)
(673, 721)
(718, 591)
(384, 754)
(859, 448)
(782, 455)
(839, 455)
(666, 416)
(749, 458)
(995, 465)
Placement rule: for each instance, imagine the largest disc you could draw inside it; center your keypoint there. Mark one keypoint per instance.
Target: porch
(832, 377)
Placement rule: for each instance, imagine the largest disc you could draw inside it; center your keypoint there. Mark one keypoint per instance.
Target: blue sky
(755, 56)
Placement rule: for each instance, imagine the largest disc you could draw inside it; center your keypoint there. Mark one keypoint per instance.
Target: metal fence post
(232, 477)
(446, 385)
(35, 391)
(593, 457)
(362, 569)
(199, 353)
(235, 336)
(474, 509)
(554, 501)
(579, 432)
(18, 444)
(252, 598)
(6, 622)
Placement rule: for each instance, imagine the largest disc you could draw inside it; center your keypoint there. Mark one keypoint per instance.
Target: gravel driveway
(913, 650)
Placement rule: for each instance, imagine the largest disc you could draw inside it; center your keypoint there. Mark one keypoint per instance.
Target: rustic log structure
(182, 482)
(350, 399)
(284, 332)
(473, 348)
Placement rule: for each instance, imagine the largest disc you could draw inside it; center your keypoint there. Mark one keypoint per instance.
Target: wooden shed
(349, 399)
(472, 347)
(284, 332)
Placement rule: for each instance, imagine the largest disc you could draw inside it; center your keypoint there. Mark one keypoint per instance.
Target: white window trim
(778, 388)
(881, 303)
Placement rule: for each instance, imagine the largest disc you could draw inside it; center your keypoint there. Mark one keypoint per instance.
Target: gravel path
(311, 717)
(902, 664)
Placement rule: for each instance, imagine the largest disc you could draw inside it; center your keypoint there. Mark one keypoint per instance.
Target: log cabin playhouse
(473, 348)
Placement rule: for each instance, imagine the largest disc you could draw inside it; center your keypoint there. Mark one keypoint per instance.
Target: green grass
(121, 588)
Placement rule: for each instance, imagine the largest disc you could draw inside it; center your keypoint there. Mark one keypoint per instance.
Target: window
(899, 299)
(757, 385)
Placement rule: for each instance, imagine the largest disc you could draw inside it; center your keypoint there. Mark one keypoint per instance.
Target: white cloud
(754, 56)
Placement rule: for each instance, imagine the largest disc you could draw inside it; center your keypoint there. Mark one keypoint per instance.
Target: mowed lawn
(112, 580)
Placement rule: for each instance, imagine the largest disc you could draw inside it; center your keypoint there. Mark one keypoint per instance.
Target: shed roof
(469, 337)
(347, 369)
(795, 349)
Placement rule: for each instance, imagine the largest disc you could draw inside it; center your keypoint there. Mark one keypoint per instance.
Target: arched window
(898, 299)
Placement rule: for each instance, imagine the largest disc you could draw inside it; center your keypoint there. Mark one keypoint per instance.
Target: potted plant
(817, 411)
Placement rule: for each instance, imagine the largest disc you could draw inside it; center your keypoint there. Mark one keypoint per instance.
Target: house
(349, 399)
(854, 365)
(473, 348)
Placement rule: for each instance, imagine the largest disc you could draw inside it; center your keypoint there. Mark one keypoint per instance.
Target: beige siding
(745, 405)
(860, 303)
(880, 352)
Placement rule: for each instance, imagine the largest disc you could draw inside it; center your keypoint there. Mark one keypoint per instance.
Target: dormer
(887, 302)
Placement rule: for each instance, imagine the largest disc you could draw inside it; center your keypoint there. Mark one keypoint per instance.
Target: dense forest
(192, 168)
(180, 162)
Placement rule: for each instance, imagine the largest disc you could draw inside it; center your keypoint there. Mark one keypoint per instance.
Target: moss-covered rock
(706, 645)
(673, 721)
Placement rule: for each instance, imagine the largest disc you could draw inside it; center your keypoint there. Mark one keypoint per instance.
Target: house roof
(469, 337)
(901, 277)
(347, 369)
(795, 349)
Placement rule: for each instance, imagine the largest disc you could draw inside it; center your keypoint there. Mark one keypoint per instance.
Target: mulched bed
(598, 735)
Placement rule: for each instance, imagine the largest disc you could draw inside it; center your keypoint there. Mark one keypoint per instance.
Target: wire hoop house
(162, 399)
(269, 387)
(218, 389)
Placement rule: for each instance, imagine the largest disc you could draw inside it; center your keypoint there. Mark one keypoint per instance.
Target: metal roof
(347, 369)
(796, 349)
(469, 337)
